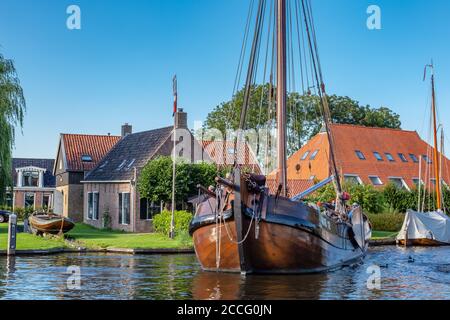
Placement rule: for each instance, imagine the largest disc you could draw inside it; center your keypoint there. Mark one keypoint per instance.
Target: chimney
(181, 119)
(126, 130)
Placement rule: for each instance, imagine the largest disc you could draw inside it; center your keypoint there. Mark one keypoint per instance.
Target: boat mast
(436, 146)
(281, 95)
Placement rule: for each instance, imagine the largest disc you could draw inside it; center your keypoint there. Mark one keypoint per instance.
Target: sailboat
(428, 228)
(241, 227)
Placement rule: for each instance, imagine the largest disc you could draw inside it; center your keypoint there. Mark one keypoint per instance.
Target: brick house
(34, 183)
(111, 195)
(77, 154)
(364, 155)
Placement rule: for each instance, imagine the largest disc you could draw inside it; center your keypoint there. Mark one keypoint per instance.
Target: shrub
(155, 181)
(387, 221)
(161, 222)
(366, 195)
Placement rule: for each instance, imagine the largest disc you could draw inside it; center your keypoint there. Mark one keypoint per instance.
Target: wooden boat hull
(271, 234)
(206, 245)
(296, 251)
(279, 249)
(50, 224)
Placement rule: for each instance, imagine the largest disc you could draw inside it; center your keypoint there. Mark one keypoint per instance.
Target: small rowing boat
(50, 223)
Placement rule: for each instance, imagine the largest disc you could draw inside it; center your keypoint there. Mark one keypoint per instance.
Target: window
(360, 155)
(93, 205)
(144, 213)
(314, 155)
(402, 157)
(352, 179)
(399, 182)
(389, 157)
(427, 159)
(124, 208)
(413, 158)
(46, 201)
(417, 182)
(29, 200)
(378, 156)
(305, 155)
(9, 200)
(30, 179)
(86, 158)
(376, 181)
(148, 209)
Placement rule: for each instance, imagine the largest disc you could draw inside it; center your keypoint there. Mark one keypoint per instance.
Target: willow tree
(12, 109)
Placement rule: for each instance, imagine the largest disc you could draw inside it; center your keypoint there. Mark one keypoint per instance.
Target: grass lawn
(376, 235)
(96, 238)
(27, 241)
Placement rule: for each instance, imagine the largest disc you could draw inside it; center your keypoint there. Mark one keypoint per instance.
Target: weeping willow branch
(12, 110)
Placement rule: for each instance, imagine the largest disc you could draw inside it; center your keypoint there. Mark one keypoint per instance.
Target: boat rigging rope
(309, 22)
(250, 76)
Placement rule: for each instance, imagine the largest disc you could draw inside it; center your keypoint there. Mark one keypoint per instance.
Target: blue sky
(118, 68)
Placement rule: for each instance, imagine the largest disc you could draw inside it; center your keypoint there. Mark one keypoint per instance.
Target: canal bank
(86, 239)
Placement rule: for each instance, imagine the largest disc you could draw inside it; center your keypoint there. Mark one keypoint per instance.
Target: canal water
(405, 273)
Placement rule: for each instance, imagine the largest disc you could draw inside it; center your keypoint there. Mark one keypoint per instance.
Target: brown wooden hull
(51, 225)
(205, 245)
(279, 249)
(283, 249)
(272, 234)
(421, 242)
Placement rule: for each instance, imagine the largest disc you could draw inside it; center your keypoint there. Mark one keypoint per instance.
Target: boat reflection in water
(125, 277)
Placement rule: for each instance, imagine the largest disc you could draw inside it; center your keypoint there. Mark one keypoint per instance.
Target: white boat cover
(426, 225)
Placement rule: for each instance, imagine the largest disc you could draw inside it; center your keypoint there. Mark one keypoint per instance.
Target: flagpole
(175, 102)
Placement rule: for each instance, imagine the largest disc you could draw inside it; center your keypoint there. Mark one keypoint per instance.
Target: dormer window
(30, 179)
(376, 181)
(399, 182)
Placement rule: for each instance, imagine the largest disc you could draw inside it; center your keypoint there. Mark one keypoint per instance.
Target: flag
(175, 96)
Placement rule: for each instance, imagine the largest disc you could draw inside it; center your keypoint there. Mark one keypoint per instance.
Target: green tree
(304, 115)
(155, 180)
(12, 109)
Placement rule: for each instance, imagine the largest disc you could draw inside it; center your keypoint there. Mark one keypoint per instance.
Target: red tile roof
(295, 186)
(77, 145)
(222, 153)
(349, 138)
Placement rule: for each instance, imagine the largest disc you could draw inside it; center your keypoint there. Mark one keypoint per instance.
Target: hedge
(386, 221)
(389, 199)
(161, 222)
